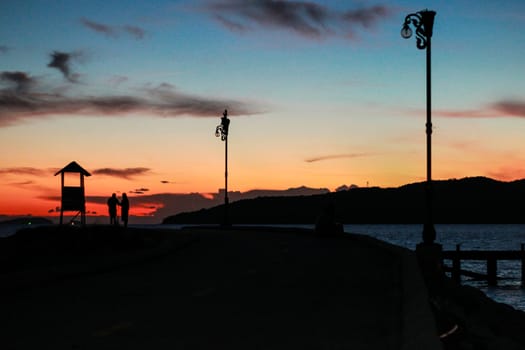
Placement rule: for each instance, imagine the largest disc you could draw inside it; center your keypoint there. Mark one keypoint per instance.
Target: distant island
(467, 200)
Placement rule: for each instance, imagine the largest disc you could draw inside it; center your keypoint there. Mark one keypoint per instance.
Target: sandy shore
(103, 287)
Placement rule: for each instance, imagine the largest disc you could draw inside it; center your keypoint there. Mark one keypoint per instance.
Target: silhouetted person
(325, 224)
(124, 209)
(112, 207)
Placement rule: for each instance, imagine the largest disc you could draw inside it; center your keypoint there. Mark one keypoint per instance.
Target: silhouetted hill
(468, 200)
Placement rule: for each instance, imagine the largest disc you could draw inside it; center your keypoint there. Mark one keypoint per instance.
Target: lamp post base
(429, 233)
(226, 222)
(430, 259)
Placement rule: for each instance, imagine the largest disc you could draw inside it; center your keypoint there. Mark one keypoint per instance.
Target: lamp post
(423, 22)
(222, 131)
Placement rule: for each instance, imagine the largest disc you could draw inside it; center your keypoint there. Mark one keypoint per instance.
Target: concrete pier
(246, 288)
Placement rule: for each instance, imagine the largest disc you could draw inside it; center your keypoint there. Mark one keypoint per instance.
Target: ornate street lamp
(222, 131)
(423, 22)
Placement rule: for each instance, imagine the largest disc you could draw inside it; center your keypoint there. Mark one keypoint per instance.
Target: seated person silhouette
(326, 224)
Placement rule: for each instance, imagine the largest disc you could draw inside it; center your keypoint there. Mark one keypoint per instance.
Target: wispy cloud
(336, 156)
(116, 80)
(304, 18)
(114, 31)
(508, 173)
(24, 171)
(4, 49)
(21, 82)
(126, 173)
(23, 183)
(136, 32)
(461, 113)
(98, 27)
(140, 190)
(503, 108)
(22, 98)
(19, 101)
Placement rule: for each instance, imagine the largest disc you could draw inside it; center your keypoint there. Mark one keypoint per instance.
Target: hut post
(61, 194)
(83, 210)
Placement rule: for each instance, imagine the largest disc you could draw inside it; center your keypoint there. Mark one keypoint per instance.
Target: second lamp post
(222, 131)
(423, 21)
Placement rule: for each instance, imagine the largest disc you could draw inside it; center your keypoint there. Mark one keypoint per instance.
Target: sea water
(469, 237)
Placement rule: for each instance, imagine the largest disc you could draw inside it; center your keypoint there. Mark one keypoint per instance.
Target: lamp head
(406, 32)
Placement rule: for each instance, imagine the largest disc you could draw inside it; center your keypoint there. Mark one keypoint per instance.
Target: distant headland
(467, 200)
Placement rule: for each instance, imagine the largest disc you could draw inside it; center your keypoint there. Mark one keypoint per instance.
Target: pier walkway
(234, 289)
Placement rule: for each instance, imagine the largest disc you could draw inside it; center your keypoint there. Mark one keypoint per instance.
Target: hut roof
(73, 167)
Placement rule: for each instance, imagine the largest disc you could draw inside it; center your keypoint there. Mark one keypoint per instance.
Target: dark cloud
(23, 171)
(167, 182)
(305, 18)
(114, 31)
(98, 27)
(140, 190)
(335, 156)
(165, 204)
(62, 62)
(21, 100)
(161, 205)
(510, 108)
(16, 107)
(21, 81)
(126, 173)
(4, 49)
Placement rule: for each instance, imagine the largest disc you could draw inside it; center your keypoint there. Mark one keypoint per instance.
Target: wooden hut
(73, 197)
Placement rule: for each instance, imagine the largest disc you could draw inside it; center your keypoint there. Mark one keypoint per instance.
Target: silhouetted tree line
(468, 200)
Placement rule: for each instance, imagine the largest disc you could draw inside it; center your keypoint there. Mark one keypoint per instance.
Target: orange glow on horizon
(36, 202)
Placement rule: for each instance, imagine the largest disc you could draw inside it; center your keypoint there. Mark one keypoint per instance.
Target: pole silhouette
(423, 21)
(222, 131)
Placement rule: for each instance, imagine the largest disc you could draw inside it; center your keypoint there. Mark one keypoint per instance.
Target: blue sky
(312, 103)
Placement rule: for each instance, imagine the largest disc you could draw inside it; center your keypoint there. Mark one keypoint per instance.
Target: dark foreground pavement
(232, 289)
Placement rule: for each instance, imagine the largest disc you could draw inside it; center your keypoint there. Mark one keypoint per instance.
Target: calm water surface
(470, 237)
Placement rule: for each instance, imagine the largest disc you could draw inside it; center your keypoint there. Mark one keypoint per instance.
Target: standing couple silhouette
(113, 202)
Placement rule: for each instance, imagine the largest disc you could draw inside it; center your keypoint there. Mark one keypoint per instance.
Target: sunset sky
(320, 94)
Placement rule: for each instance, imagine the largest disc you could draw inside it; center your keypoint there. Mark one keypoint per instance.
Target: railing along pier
(490, 256)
